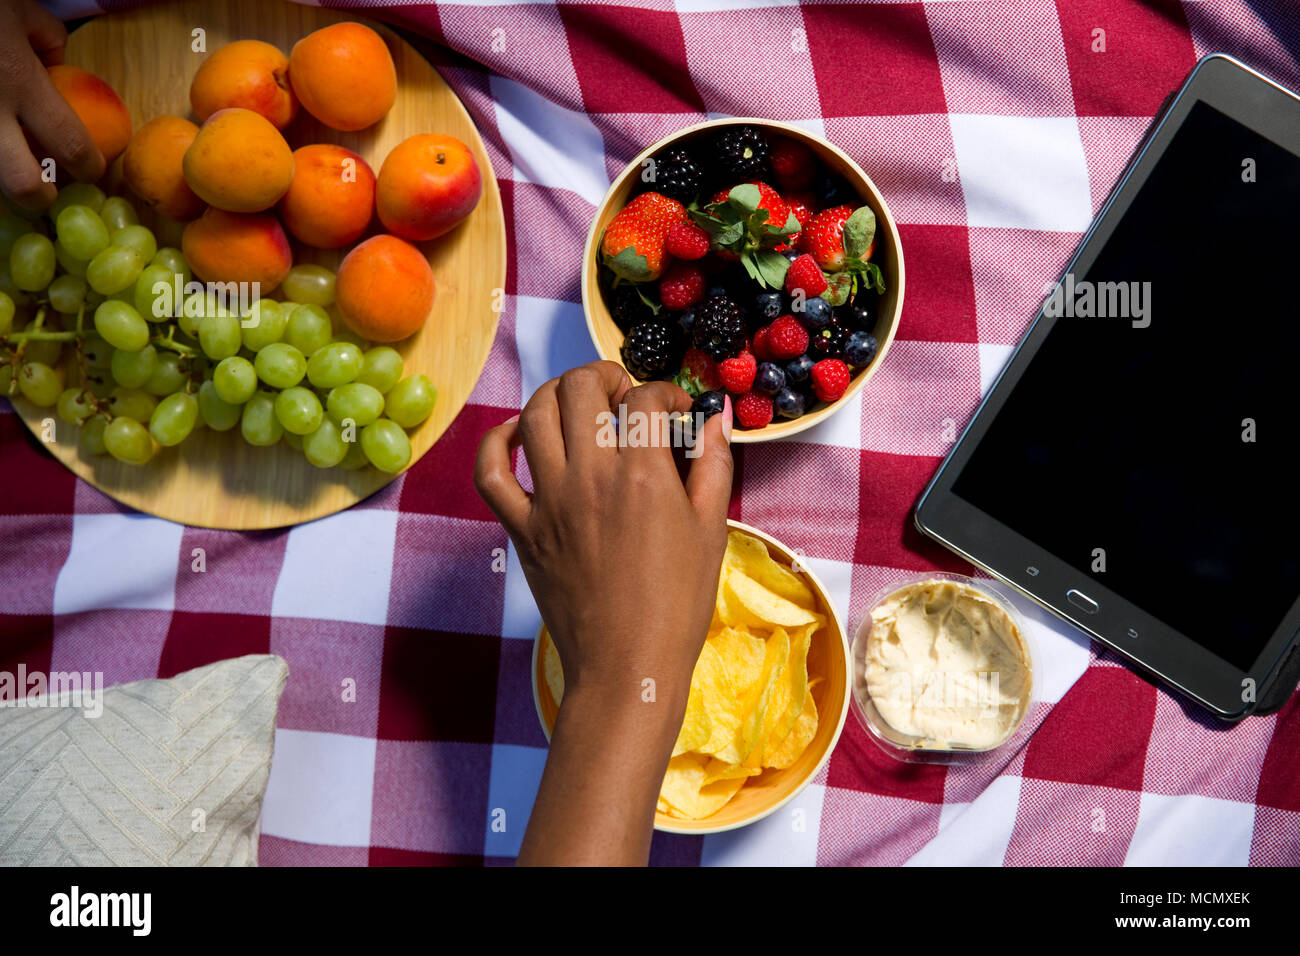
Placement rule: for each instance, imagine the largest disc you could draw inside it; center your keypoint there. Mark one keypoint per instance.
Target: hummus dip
(946, 665)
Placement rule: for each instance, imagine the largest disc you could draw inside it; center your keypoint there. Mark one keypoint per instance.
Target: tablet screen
(1161, 435)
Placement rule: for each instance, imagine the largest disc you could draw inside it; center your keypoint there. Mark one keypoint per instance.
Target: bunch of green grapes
(142, 377)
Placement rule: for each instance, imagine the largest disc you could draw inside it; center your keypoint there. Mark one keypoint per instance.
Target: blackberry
(741, 154)
(719, 327)
(652, 350)
(676, 175)
(710, 403)
(829, 342)
(626, 307)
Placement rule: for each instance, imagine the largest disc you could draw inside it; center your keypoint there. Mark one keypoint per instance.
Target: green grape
(45, 352)
(81, 232)
(411, 400)
(355, 458)
(325, 447)
(92, 435)
(129, 441)
(299, 410)
(31, 262)
(152, 305)
(309, 329)
(98, 353)
(264, 324)
(293, 441)
(386, 445)
(131, 403)
(121, 326)
(6, 377)
(217, 413)
(356, 401)
(114, 269)
(11, 227)
(67, 294)
(70, 265)
(138, 238)
(39, 384)
(381, 368)
(280, 365)
(309, 285)
(258, 424)
(174, 419)
(117, 214)
(7, 286)
(99, 385)
(219, 336)
(77, 194)
(171, 259)
(169, 375)
(75, 405)
(7, 310)
(191, 314)
(336, 364)
(235, 380)
(133, 369)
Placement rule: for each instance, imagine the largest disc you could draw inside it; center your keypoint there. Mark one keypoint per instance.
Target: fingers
(20, 175)
(653, 404)
(543, 436)
(495, 478)
(708, 483)
(60, 132)
(587, 396)
(46, 33)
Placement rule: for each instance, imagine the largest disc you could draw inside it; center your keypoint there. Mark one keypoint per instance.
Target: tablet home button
(1082, 601)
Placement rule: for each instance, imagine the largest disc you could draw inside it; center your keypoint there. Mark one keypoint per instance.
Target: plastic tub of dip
(942, 668)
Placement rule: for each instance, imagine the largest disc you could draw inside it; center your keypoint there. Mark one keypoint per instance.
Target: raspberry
(753, 410)
(762, 347)
(681, 287)
(830, 377)
(786, 338)
(804, 273)
(737, 374)
(793, 164)
(685, 240)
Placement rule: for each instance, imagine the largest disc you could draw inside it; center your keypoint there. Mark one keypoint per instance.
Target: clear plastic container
(910, 747)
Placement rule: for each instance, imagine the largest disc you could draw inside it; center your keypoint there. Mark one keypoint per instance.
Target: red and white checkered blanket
(994, 130)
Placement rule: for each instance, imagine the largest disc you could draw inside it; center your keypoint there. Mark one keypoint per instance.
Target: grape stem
(37, 334)
(167, 342)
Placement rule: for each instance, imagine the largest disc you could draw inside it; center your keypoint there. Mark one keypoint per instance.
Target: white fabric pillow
(171, 773)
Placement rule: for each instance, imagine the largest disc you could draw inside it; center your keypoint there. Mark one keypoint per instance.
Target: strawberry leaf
(751, 266)
(688, 383)
(872, 277)
(859, 230)
(630, 264)
(746, 198)
(840, 285)
(771, 267)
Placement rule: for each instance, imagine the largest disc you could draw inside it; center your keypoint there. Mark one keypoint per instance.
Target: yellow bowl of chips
(768, 697)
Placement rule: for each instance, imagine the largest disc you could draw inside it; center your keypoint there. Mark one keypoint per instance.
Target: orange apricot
(152, 162)
(248, 74)
(225, 246)
(239, 162)
(331, 198)
(98, 107)
(427, 185)
(385, 289)
(344, 76)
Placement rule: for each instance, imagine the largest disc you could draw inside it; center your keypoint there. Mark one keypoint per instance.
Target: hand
(32, 38)
(623, 559)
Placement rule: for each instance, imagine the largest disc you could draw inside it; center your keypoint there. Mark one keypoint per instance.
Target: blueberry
(769, 379)
(816, 314)
(768, 306)
(788, 403)
(834, 190)
(687, 320)
(858, 317)
(798, 370)
(718, 288)
(710, 403)
(791, 254)
(860, 350)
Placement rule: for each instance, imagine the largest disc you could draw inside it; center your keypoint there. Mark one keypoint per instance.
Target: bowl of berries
(748, 260)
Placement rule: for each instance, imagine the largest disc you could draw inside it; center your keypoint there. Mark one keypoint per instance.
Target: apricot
(225, 246)
(385, 289)
(249, 74)
(344, 76)
(152, 163)
(331, 198)
(98, 107)
(239, 162)
(427, 185)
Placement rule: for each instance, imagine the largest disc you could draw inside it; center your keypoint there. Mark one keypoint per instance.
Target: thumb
(708, 484)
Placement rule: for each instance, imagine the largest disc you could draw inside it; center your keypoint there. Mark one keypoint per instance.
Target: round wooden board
(218, 480)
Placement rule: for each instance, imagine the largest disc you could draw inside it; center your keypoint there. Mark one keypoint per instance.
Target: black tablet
(1136, 466)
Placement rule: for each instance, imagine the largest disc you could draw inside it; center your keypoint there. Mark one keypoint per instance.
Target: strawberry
(753, 410)
(801, 205)
(745, 224)
(830, 377)
(793, 164)
(786, 338)
(768, 198)
(804, 274)
(633, 246)
(685, 240)
(699, 373)
(823, 237)
(737, 374)
(682, 286)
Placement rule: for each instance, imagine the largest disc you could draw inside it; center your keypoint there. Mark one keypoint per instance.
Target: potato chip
(797, 741)
(752, 604)
(686, 793)
(749, 733)
(788, 699)
(697, 725)
(742, 657)
(553, 669)
(751, 557)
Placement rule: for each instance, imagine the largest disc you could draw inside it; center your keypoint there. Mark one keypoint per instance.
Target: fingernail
(726, 418)
(511, 420)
